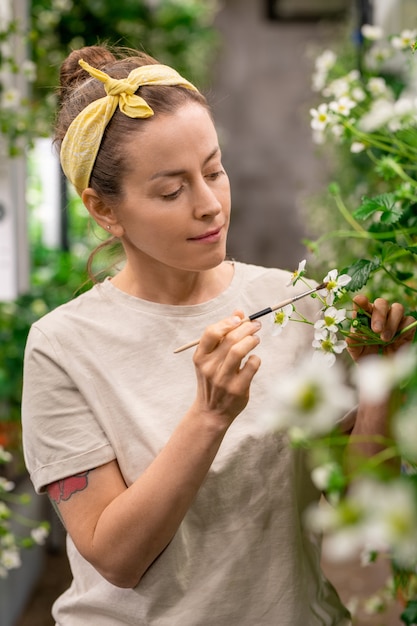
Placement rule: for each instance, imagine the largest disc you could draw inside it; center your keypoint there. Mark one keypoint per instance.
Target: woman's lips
(210, 236)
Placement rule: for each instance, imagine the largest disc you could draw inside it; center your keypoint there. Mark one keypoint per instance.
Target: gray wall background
(261, 98)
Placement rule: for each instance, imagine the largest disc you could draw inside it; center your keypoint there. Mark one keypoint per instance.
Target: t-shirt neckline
(108, 291)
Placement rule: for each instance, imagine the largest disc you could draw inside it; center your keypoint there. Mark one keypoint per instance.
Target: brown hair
(77, 90)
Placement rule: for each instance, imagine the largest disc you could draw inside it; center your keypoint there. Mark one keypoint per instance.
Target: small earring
(108, 227)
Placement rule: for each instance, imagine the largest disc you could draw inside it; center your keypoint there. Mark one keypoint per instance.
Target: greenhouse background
(254, 59)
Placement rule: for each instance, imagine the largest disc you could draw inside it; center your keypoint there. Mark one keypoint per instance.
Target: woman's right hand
(224, 374)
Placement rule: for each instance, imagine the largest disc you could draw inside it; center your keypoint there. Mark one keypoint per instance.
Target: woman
(180, 509)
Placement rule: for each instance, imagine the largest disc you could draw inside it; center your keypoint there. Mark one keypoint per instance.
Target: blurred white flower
(358, 94)
(343, 106)
(323, 64)
(5, 456)
(320, 117)
(338, 88)
(380, 112)
(6, 485)
(404, 40)
(374, 516)
(374, 604)
(377, 86)
(63, 5)
(391, 517)
(280, 318)
(322, 474)
(405, 432)
(326, 60)
(10, 558)
(403, 106)
(372, 32)
(29, 70)
(309, 400)
(39, 535)
(376, 376)
(378, 55)
(39, 307)
(318, 81)
(10, 98)
(357, 147)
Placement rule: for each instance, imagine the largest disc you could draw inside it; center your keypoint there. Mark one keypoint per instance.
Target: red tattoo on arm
(63, 489)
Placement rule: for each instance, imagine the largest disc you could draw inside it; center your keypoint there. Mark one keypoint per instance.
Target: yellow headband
(83, 138)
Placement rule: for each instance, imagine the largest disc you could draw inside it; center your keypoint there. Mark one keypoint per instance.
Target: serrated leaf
(367, 209)
(391, 216)
(386, 203)
(360, 272)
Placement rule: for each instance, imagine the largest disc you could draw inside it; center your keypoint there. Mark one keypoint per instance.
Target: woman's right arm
(121, 530)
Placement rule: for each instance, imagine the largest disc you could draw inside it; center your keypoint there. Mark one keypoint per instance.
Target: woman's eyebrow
(163, 173)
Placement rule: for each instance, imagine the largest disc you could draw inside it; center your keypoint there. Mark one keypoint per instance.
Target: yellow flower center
(279, 317)
(327, 345)
(309, 397)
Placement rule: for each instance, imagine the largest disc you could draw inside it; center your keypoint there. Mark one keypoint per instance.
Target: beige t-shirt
(101, 382)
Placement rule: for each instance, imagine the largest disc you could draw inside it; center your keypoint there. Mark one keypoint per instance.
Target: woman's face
(175, 207)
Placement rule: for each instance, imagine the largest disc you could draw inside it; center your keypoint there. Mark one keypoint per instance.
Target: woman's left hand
(386, 321)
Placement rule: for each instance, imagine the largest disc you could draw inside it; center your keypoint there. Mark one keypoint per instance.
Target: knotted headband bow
(83, 138)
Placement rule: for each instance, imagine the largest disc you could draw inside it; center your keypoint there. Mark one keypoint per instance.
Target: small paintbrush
(254, 316)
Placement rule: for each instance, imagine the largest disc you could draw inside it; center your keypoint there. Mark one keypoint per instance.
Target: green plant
(177, 32)
(366, 125)
(16, 120)
(17, 532)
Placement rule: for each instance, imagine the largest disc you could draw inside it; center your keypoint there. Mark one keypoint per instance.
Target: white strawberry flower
(330, 320)
(298, 273)
(328, 346)
(280, 318)
(335, 284)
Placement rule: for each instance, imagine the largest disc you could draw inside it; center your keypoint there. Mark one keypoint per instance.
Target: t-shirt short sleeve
(61, 435)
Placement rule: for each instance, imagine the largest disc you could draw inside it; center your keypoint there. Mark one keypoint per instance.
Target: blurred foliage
(56, 277)
(176, 32)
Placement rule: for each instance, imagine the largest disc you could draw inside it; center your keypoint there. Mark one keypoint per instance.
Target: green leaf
(360, 272)
(386, 203)
(412, 249)
(409, 616)
(403, 275)
(366, 209)
(390, 249)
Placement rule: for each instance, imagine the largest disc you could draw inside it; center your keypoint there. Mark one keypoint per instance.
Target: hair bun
(72, 74)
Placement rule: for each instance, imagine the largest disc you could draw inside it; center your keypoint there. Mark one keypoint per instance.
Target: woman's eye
(173, 195)
(214, 175)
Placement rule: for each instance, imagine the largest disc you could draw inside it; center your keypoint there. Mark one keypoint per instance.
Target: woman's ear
(101, 213)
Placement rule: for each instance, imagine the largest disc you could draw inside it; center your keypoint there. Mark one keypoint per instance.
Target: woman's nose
(206, 201)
